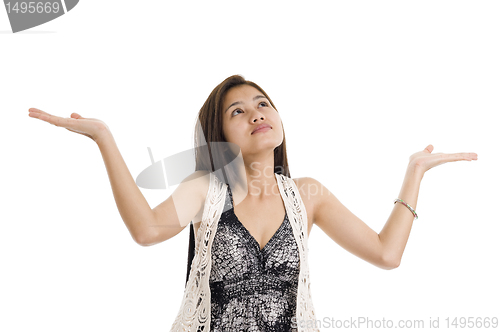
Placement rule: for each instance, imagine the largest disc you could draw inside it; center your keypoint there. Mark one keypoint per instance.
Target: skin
(261, 209)
(257, 148)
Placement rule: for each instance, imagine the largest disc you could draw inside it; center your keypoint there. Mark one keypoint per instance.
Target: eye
(235, 111)
(262, 102)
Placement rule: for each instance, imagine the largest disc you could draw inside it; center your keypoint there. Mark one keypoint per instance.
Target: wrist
(414, 171)
(102, 135)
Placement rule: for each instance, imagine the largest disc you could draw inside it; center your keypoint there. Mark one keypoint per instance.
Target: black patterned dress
(252, 289)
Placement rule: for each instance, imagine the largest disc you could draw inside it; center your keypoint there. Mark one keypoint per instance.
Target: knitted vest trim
(195, 312)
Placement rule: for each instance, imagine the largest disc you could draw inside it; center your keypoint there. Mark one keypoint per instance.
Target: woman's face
(244, 109)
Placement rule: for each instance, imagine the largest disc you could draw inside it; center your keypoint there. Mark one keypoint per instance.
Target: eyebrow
(239, 102)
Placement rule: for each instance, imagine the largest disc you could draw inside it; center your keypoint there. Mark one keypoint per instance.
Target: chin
(262, 146)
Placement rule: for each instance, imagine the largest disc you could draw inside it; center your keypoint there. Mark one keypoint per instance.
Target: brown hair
(213, 157)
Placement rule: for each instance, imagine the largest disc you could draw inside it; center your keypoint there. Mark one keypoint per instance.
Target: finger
(52, 119)
(469, 155)
(36, 113)
(36, 110)
(461, 156)
(76, 116)
(39, 114)
(429, 148)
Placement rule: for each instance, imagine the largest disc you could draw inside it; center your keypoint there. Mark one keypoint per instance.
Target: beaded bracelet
(409, 207)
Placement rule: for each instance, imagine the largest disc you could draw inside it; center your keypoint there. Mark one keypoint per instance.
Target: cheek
(279, 126)
(231, 133)
(277, 121)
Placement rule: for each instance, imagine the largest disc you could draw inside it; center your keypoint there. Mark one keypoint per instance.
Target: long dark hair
(212, 157)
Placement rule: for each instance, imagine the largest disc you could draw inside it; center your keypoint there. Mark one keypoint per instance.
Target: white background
(360, 86)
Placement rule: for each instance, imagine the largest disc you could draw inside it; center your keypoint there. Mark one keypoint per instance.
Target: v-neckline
(253, 238)
(248, 232)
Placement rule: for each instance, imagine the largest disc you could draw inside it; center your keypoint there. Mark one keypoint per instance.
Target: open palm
(425, 160)
(76, 123)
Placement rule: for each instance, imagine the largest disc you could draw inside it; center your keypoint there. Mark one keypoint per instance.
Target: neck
(260, 178)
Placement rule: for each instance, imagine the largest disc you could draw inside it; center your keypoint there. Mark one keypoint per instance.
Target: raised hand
(76, 123)
(424, 160)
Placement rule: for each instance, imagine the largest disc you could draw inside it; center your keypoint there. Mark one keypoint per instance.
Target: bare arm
(186, 204)
(396, 231)
(133, 207)
(151, 226)
(385, 249)
(343, 226)
(147, 226)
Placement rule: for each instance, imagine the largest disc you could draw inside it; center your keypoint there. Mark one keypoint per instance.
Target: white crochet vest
(195, 312)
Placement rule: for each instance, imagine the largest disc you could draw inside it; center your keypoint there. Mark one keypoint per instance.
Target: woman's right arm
(151, 226)
(147, 226)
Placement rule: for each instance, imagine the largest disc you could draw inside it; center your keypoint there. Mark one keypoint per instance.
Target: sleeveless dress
(195, 313)
(252, 289)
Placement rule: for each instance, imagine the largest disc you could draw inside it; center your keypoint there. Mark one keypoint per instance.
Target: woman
(249, 270)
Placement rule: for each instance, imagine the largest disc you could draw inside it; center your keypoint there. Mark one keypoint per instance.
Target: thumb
(429, 148)
(76, 116)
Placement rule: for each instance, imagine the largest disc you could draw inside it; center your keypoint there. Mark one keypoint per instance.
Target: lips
(261, 126)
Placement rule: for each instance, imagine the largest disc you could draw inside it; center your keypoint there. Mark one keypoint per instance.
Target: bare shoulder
(199, 182)
(309, 187)
(302, 183)
(180, 208)
(308, 190)
(311, 191)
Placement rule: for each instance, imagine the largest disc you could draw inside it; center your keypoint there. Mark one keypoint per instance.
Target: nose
(256, 116)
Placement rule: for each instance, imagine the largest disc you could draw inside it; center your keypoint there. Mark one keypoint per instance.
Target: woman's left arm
(384, 249)
(396, 231)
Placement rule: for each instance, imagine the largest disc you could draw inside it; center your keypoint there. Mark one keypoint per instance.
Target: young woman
(247, 266)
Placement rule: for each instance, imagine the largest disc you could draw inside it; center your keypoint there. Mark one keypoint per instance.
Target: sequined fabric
(194, 314)
(252, 289)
